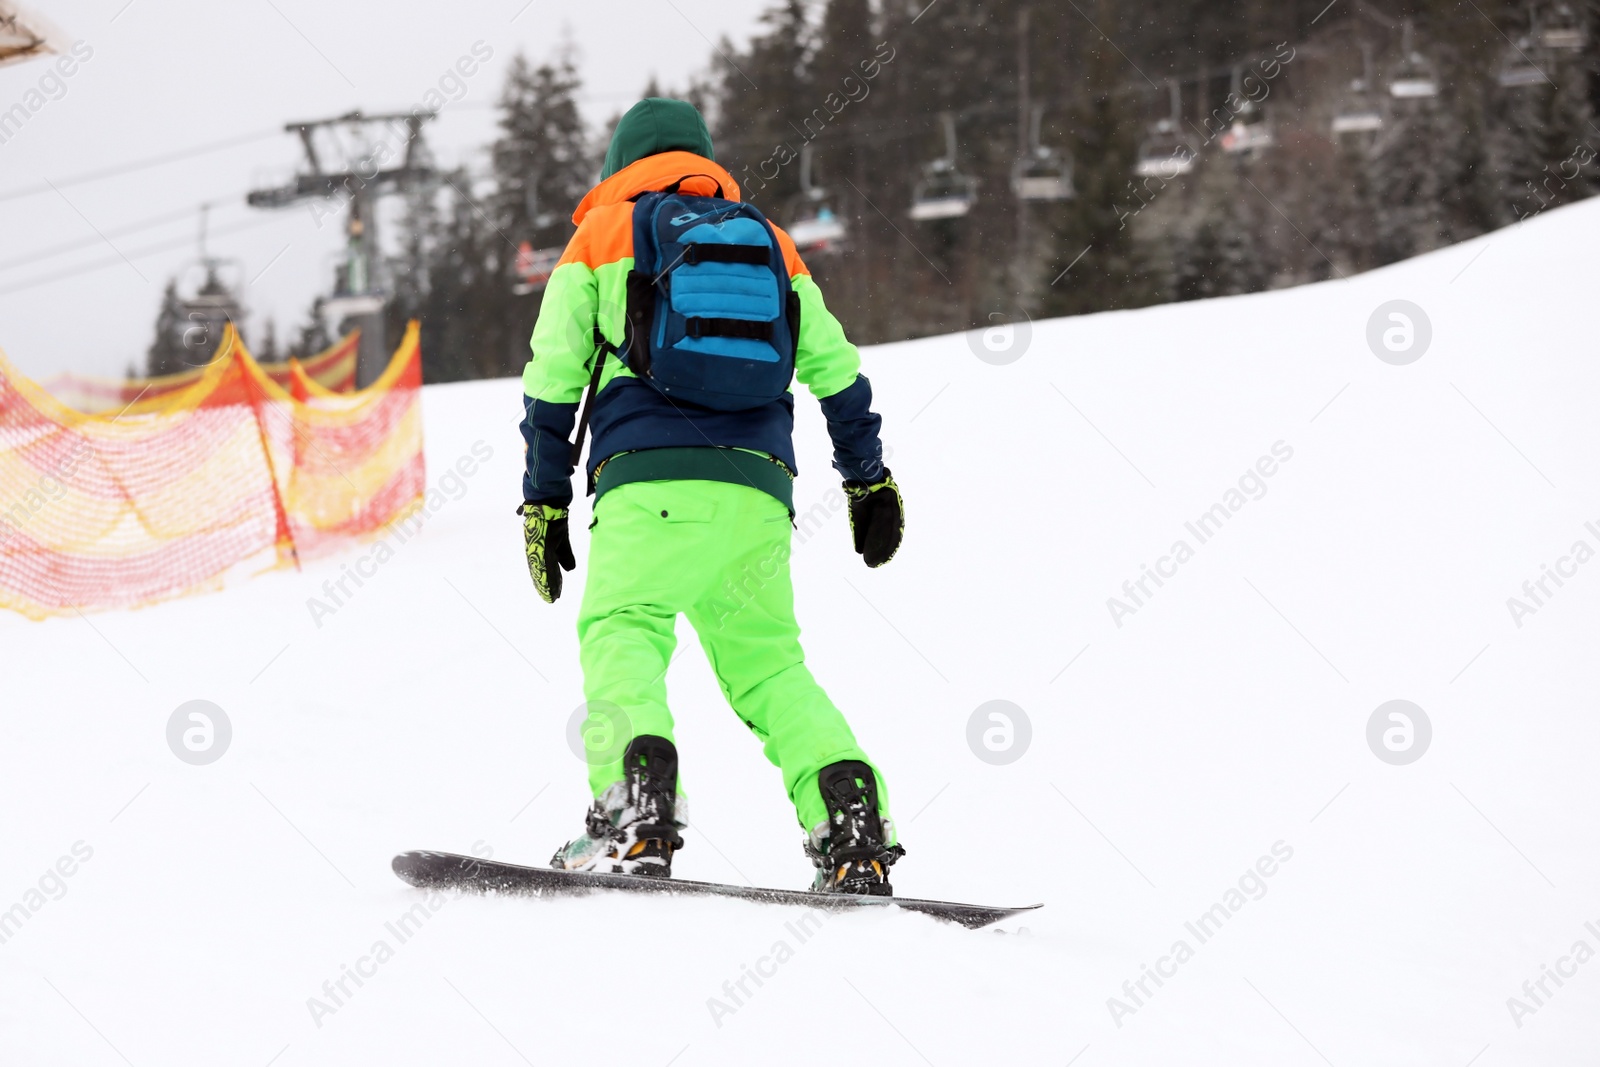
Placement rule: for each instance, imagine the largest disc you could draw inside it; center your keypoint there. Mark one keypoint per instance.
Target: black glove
(877, 518)
(544, 529)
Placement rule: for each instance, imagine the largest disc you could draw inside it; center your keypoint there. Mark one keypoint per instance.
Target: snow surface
(1168, 754)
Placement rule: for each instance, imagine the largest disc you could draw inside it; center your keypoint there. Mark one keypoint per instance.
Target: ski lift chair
(1042, 173)
(208, 312)
(1412, 82)
(1251, 130)
(1165, 151)
(815, 223)
(1358, 111)
(820, 231)
(943, 191)
(1517, 69)
(1248, 135)
(1559, 30)
(214, 302)
(1358, 120)
(1412, 78)
(1562, 30)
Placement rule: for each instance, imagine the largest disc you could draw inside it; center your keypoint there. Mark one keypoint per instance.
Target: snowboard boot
(632, 827)
(849, 850)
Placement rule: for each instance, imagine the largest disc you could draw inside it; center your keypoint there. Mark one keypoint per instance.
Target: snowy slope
(1224, 719)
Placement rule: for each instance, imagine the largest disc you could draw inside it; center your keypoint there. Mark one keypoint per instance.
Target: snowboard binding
(632, 827)
(849, 850)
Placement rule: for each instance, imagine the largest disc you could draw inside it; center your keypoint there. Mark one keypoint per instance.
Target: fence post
(285, 535)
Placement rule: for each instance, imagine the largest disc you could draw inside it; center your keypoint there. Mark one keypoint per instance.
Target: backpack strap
(674, 186)
(603, 348)
(754, 255)
(740, 328)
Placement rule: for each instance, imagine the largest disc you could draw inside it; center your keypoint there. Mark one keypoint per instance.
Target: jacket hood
(656, 172)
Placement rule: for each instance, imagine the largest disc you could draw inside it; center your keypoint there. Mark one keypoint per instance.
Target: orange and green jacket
(588, 289)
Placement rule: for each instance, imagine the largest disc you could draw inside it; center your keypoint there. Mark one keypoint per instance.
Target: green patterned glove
(544, 529)
(877, 519)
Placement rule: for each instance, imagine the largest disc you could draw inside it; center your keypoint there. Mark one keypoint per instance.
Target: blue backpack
(711, 317)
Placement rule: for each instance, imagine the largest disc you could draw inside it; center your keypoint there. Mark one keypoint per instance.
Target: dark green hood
(655, 125)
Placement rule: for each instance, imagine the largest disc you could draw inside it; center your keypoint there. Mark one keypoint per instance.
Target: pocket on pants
(668, 501)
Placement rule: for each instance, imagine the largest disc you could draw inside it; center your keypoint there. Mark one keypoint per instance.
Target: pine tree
(1346, 228)
(1219, 248)
(313, 336)
(1589, 60)
(471, 326)
(1101, 263)
(1406, 181)
(1571, 134)
(1243, 246)
(167, 353)
(412, 265)
(767, 106)
(1442, 169)
(268, 353)
(1195, 258)
(844, 41)
(1513, 144)
(542, 160)
(542, 165)
(1469, 187)
(1542, 139)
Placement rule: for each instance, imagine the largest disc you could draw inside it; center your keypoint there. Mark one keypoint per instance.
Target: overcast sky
(166, 75)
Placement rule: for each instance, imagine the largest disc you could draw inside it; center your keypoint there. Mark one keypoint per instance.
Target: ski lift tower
(360, 178)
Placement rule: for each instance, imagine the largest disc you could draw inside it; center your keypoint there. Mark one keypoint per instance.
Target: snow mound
(1231, 874)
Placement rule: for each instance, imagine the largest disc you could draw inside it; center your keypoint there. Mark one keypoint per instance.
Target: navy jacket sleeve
(547, 428)
(830, 366)
(854, 428)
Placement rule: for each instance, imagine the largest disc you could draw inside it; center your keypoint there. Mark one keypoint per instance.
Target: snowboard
(446, 870)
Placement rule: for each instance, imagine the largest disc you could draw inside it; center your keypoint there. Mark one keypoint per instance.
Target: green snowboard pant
(719, 553)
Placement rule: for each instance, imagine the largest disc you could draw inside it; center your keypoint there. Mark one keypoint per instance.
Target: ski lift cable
(1378, 17)
(142, 164)
(878, 134)
(179, 155)
(1002, 102)
(151, 223)
(141, 253)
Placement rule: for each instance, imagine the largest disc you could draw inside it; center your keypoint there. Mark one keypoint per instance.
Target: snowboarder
(687, 315)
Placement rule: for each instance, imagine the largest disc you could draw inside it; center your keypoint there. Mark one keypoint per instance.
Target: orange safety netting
(334, 368)
(163, 498)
